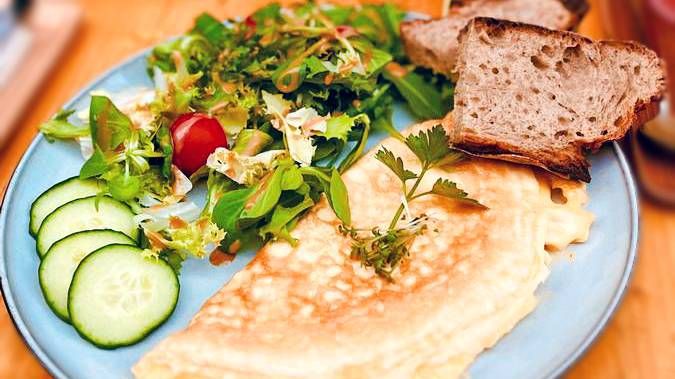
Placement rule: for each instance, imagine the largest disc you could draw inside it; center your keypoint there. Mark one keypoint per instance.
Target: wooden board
(51, 25)
(640, 341)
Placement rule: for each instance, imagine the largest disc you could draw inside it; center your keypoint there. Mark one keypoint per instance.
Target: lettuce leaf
(60, 128)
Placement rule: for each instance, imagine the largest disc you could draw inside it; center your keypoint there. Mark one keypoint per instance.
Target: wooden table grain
(640, 339)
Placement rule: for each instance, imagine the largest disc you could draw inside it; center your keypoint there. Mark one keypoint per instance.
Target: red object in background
(666, 8)
(652, 146)
(659, 26)
(195, 136)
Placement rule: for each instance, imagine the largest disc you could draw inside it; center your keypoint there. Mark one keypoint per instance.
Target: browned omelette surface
(310, 311)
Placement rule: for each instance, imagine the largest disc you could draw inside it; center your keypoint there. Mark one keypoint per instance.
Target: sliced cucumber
(59, 264)
(59, 194)
(89, 213)
(118, 297)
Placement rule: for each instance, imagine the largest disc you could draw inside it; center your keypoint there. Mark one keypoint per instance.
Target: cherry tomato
(195, 136)
(250, 22)
(250, 27)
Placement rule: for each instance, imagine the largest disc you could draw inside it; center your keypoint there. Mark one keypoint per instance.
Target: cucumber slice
(89, 213)
(59, 194)
(58, 265)
(118, 297)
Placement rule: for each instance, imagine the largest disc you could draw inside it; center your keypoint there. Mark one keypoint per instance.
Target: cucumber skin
(142, 335)
(135, 237)
(50, 304)
(32, 232)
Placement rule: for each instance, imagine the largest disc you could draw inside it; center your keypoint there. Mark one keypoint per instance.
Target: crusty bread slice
(433, 43)
(542, 97)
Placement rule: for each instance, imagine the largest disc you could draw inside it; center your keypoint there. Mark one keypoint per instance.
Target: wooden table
(640, 340)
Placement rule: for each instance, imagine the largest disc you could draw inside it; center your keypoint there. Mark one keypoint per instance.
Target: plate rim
(54, 370)
(620, 293)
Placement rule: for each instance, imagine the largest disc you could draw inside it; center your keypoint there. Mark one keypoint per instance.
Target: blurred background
(50, 49)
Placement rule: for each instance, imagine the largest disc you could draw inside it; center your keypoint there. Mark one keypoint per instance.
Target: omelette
(309, 311)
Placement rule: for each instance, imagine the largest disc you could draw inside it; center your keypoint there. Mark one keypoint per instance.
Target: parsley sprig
(385, 250)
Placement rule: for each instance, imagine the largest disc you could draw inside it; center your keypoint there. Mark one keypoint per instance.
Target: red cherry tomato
(250, 22)
(195, 136)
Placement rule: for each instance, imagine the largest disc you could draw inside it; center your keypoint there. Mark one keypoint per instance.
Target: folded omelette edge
(310, 311)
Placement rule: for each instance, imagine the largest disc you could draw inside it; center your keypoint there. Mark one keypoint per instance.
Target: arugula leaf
(339, 199)
(212, 29)
(446, 188)
(95, 165)
(443, 85)
(379, 108)
(430, 146)
(59, 127)
(229, 207)
(314, 67)
(378, 59)
(375, 58)
(109, 126)
(423, 99)
(395, 164)
(380, 24)
(282, 216)
(391, 18)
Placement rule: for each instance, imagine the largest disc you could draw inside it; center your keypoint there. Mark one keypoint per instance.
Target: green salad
(268, 111)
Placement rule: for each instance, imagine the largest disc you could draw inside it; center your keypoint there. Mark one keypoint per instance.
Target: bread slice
(539, 96)
(433, 43)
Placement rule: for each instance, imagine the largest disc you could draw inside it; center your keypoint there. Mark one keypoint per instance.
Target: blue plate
(575, 302)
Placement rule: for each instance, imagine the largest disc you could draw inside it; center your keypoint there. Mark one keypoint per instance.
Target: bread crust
(570, 167)
(427, 56)
(578, 8)
(418, 53)
(569, 163)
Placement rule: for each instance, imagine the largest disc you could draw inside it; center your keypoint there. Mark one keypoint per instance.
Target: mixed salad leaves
(270, 110)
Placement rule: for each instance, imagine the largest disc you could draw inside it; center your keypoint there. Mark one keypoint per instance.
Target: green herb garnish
(385, 250)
